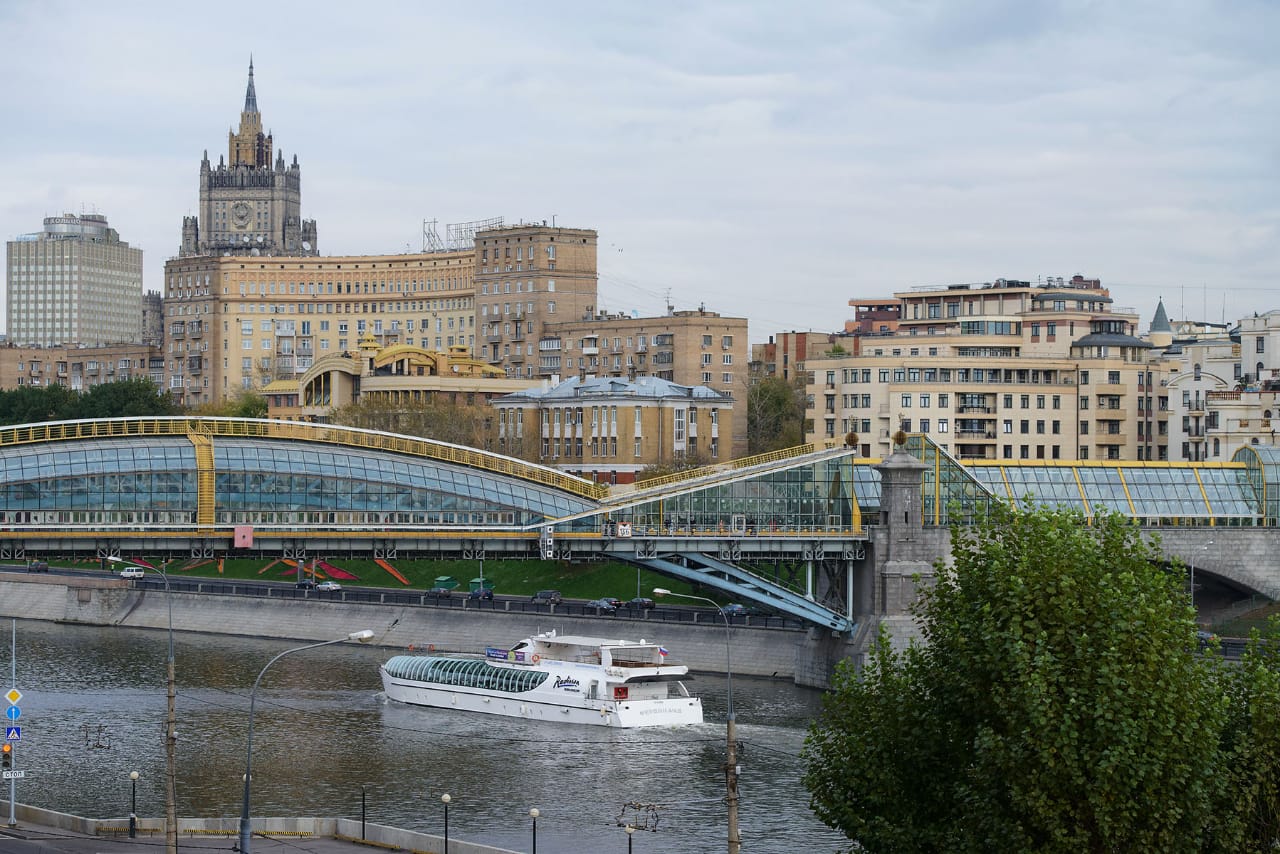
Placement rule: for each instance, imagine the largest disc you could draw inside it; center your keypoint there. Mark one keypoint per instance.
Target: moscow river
(94, 706)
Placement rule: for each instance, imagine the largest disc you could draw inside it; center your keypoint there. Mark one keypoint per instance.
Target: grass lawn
(586, 580)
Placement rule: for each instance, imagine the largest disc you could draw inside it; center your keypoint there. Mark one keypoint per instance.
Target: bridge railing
(744, 462)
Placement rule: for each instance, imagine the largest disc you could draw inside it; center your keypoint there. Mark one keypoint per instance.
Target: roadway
(455, 600)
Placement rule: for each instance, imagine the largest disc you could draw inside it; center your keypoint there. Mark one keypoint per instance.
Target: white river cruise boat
(570, 678)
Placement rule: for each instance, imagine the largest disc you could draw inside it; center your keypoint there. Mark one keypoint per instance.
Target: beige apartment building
(236, 322)
(526, 277)
(610, 429)
(691, 348)
(1002, 370)
(79, 368)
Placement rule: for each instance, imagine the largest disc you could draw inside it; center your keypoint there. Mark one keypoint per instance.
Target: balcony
(976, 434)
(982, 410)
(591, 351)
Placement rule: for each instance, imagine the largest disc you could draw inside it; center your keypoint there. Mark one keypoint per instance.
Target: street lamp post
(445, 799)
(133, 805)
(631, 831)
(533, 814)
(731, 762)
(245, 834)
(171, 722)
(1204, 547)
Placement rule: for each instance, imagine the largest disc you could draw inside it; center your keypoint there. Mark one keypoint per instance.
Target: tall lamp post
(631, 831)
(533, 814)
(1204, 548)
(133, 805)
(171, 723)
(445, 799)
(363, 636)
(731, 762)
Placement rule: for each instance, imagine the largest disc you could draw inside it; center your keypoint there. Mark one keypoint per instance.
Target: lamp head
(134, 775)
(533, 813)
(445, 798)
(661, 591)
(630, 829)
(363, 636)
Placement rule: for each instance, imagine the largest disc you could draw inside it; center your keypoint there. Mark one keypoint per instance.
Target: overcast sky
(771, 160)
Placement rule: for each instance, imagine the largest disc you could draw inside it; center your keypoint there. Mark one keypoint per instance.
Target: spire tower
(250, 95)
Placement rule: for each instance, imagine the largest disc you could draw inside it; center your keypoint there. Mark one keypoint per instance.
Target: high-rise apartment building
(74, 282)
(248, 204)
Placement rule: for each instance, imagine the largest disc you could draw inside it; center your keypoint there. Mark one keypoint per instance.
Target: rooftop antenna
(670, 308)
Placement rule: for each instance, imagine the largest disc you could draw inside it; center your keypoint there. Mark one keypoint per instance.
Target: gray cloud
(772, 160)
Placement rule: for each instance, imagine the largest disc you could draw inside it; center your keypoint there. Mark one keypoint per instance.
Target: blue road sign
(13, 733)
(13, 713)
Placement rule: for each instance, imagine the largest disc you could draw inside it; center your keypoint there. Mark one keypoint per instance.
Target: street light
(631, 831)
(444, 799)
(731, 763)
(363, 636)
(133, 805)
(1204, 547)
(171, 722)
(533, 814)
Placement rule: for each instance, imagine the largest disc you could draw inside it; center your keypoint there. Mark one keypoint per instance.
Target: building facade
(74, 282)
(689, 348)
(1003, 370)
(527, 277)
(610, 429)
(234, 323)
(79, 368)
(249, 205)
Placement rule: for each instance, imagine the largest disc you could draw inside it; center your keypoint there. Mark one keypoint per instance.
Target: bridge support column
(808, 580)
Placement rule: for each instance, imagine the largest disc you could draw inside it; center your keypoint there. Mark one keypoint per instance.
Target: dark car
(733, 609)
(305, 584)
(550, 597)
(38, 566)
(440, 592)
(607, 605)
(640, 603)
(483, 593)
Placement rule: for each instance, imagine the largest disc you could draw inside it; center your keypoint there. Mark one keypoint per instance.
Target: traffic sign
(14, 775)
(13, 733)
(13, 696)
(13, 713)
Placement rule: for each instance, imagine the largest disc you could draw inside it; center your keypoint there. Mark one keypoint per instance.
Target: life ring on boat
(536, 658)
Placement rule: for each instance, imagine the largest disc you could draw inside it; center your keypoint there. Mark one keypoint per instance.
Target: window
(728, 358)
(924, 425)
(924, 401)
(706, 340)
(1260, 346)
(906, 401)
(943, 425)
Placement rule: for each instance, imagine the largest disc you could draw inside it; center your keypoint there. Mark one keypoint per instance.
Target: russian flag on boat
(662, 651)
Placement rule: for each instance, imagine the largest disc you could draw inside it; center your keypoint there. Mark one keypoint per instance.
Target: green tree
(123, 399)
(467, 424)
(775, 414)
(245, 404)
(1056, 704)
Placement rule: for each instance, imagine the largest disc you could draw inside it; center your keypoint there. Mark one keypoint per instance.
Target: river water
(94, 707)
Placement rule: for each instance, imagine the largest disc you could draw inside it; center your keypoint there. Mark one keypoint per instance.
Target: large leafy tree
(1057, 703)
(35, 404)
(775, 414)
(457, 422)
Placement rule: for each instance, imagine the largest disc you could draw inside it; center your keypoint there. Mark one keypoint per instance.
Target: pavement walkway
(28, 838)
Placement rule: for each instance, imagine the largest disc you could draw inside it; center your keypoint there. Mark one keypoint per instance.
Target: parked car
(328, 587)
(607, 605)
(38, 566)
(733, 609)
(640, 603)
(305, 584)
(440, 592)
(132, 572)
(550, 597)
(481, 594)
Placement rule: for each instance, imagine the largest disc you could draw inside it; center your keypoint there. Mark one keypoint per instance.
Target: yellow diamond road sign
(13, 696)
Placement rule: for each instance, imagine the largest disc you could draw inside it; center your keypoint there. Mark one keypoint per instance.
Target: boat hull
(536, 705)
